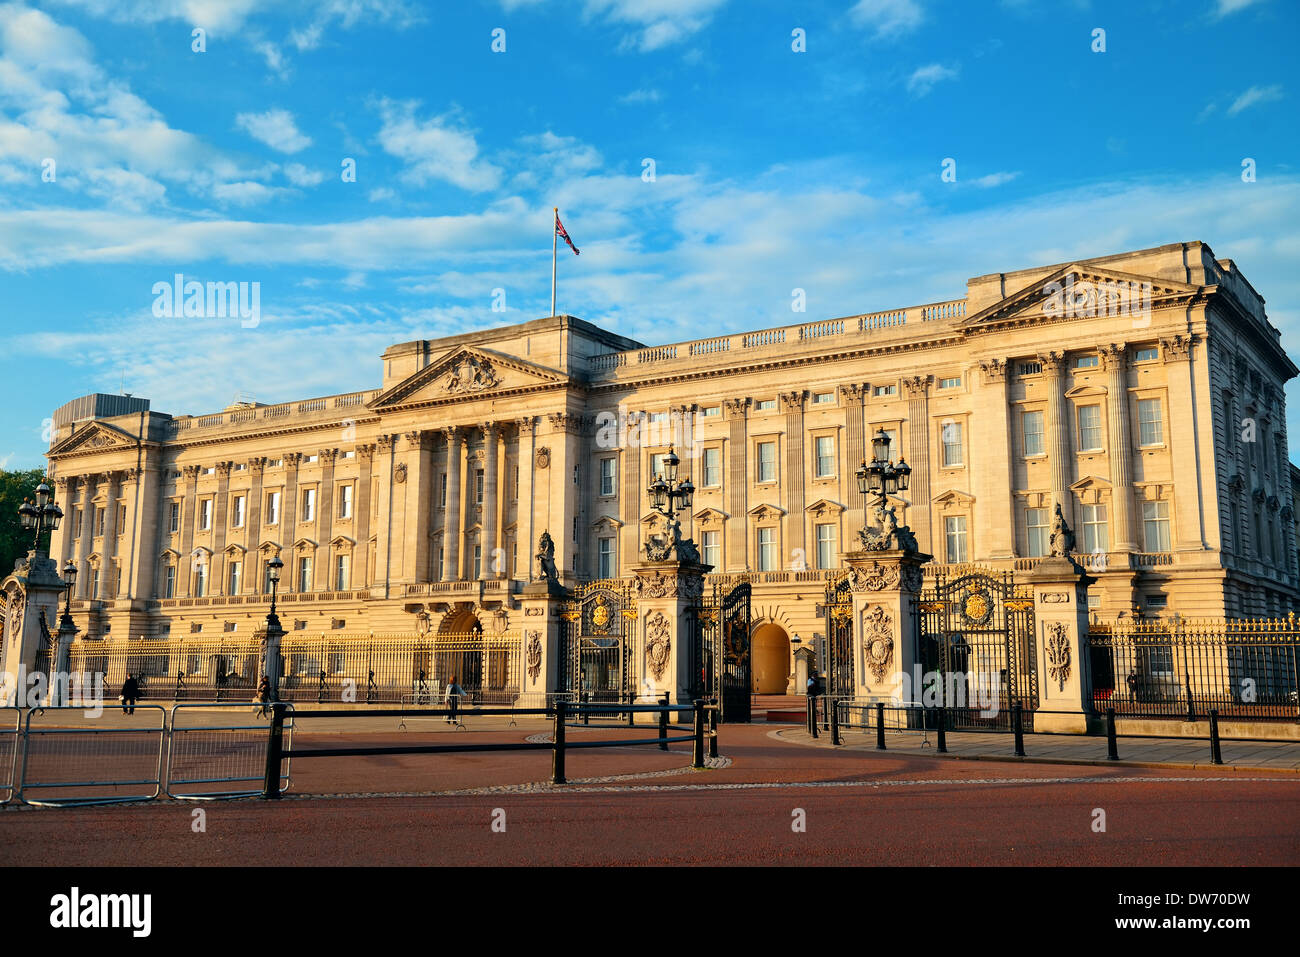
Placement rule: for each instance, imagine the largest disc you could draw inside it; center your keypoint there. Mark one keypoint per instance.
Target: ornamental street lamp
(41, 516)
(70, 577)
(882, 478)
(273, 569)
(274, 632)
(668, 496)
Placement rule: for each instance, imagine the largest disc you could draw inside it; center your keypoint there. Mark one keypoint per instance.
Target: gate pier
(1060, 589)
(666, 658)
(884, 587)
(540, 605)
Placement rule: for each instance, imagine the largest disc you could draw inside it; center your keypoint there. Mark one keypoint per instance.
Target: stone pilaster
(990, 453)
(1059, 425)
(629, 464)
(325, 520)
(527, 533)
(1188, 531)
(917, 390)
(384, 467)
(853, 452)
(361, 517)
(493, 563)
(87, 535)
(737, 483)
(218, 584)
(113, 483)
(792, 403)
(1115, 358)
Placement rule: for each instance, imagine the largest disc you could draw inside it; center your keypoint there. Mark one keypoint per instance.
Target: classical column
(253, 537)
(61, 540)
(792, 404)
(853, 450)
(106, 552)
(1115, 358)
(289, 521)
(527, 537)
(361, 521)
(492, 567)
(217, 583)
(990, 453)
(87, 533)
(451, 520)
(566, 441)
(185, 564)
(737, 484)
(629, 462)
(384, 528)
(1058, 426)
(1188, 532)
(325, 520)
(917, 390)
(130, 537)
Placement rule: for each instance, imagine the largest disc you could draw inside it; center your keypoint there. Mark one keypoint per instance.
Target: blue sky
(774, 169)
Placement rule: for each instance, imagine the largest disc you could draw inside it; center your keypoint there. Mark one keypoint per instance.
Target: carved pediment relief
(342, 541)
(823, 507)
(95, 437)
(765, 511)
(953, 498)
(710, 516)
(607, 521)
(466, 373)
(1079, 291)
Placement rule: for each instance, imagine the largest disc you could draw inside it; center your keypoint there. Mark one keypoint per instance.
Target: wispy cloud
(887, 18)
(1254, 96)
(655, 23)
(276, 128)
(923, 79)
(1224, 8)
(641, 96)
(996, 179)
(438, 148)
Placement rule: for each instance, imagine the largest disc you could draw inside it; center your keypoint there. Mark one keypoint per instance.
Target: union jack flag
(563, 234)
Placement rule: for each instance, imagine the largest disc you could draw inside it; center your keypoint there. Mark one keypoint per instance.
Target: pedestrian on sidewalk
(263, 697)
(1132, 681)
(450, 698)
(130, 692)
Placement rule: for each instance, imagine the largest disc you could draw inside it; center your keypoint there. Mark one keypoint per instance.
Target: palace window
(308, 505)
(605, 558)
(1089, 428)
(1096, 536)
(950, 436)
(1146, 355)
(711, 549)
(237, 512)
(478, 563)
(825, 546)
(205, 514)
(200, 580)
(657, 465)
(608, 476)
(1031, 427)
(304, 573)
(173, 518)
(712, 468)
(767, 461)
(272, 508)
(1031, 368)
(882, 390)
(1085, 362)
(345, 501)
(478, 486)
(712, 411)
(442, 491)
(952, 382)
(233, 578)
(1155, 526)
(1151, 425)
(823, 398)
(954, 533)
(121, 520)
(765, 405)
(767, 550)
(99, 522)
(824, 449)
(1037, 531)
(169, 582)
(342, 572)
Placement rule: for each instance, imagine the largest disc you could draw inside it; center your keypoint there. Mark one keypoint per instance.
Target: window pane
(767, 549)
(1090, 427)
(1151, 430)
(1037, 531)
(767, 461)
(825, 448)
(825, 546)
(1032, 424)
(955, 535)
(950, 435)
(712, 467)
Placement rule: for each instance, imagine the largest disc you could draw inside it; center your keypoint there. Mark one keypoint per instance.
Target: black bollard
(663, 723)
(1112, 746)
(697, 760)
(941, 744)
(713, 727)
(1216, 756)
(1017, 725)
(274, 751)
(880, 726)
(557, 763)
(812, 715)
(835, 723)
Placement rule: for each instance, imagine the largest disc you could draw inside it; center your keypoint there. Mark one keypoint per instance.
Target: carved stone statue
(888, 535)
(662, 547)
(1062, 539)
(546, 558)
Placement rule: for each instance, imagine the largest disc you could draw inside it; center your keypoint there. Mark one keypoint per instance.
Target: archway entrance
(771, 657)
(459, 653)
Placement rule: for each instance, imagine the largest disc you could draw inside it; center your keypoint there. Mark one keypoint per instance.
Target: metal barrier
(10, 720)
(70, 757)
(217, 752)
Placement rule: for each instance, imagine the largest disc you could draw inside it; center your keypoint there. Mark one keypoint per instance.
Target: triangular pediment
(708, 516)
(1090, 481)
(765, 511)
(342, 541)
(1080, 291)
(824, 506)
(609, 520)
(953, 497)
(467, 373)
(95, 437)
(269, 547)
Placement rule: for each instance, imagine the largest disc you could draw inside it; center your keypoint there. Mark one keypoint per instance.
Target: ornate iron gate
(726, 665)
(976, 630)
(838, 609)
(599, 628)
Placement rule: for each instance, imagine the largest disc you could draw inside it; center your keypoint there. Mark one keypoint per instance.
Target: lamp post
(70, 577)
(274, 632)
(668, 496)
(42, 516)
(882, 478)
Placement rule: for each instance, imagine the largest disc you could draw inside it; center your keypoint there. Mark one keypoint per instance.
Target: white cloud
(923, 80)
(434, 149)
(300, 175)
(887, 18)
(995, 179)
(276, 128)
(641, 96)
(1256, 94)
(657, 23)
(1224, 8)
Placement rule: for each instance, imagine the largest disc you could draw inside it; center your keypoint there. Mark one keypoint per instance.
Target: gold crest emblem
(976, 607)
(600, 614)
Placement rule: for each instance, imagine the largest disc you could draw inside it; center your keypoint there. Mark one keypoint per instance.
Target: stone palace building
(1142, 392)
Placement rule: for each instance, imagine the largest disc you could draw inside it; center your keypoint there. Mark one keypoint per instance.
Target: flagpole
(555, 229)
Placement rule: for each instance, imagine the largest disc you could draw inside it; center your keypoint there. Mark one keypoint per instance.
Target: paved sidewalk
(1068, 749)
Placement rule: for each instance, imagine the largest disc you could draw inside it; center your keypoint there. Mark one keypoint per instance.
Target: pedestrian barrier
(74, 763)
(10, 721)
(214, 748)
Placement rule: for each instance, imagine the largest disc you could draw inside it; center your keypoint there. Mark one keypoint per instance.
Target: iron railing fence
(999, 716)
(10, 719)
(1184, 669)
(332, 667)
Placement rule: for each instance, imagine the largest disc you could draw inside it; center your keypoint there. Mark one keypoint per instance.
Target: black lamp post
(70, 577)
(41, 516)
(273, 569)
(670, 497)
(882, 478)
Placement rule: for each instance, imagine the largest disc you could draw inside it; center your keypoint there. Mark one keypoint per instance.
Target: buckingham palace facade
(1142, 392)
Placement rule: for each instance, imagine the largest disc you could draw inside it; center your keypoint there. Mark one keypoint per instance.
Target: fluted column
(1058, 433)
(289, 522)
(61, 540)
(185, 566)
(629, 464)
(324, 570)
(527, 536)
(1115, 359)
(737, 558)
(217, 583)
(253, 533)
(792, 403)
(114, 480)
(1188, 520)
(917, 390)
(451, 522)
(990, 454)
(492, 567)
(361, 521)
(87, 533)
(127, 540)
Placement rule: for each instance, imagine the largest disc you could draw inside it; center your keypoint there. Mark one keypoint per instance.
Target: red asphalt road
(860, 808)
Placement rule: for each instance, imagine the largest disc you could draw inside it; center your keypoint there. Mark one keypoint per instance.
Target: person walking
(263, 697)
(814, 689)
(130, 692)
(451, 697)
